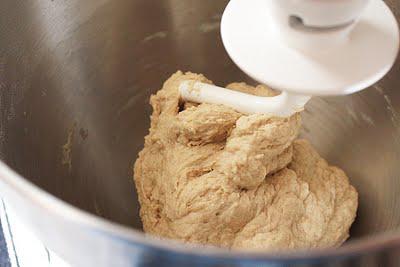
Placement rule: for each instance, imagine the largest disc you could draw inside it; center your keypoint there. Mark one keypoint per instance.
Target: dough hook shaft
(283, 105)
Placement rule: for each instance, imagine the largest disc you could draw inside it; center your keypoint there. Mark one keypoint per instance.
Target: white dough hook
(283, 105)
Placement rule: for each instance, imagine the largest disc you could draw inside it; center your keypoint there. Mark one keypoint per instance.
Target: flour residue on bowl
(367, 119)
(209, 26)
(358, 116)
(67, 148)
(156, 35)
(394, 114)
(212, 25)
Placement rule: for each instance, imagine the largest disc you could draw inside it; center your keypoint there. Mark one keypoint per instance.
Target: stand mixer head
(304, 48)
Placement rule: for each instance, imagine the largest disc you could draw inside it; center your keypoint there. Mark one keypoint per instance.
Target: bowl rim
(57, 207)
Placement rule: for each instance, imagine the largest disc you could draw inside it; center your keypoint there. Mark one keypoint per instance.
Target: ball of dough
(210, 175)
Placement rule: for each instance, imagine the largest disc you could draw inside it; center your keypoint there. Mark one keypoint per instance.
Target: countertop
(19, 247)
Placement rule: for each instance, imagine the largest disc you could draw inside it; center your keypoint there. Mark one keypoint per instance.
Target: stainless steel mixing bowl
(75, 78)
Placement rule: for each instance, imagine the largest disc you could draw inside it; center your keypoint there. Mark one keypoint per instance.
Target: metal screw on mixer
(303, 48)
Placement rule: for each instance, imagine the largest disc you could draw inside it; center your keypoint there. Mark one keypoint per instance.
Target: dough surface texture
(210, 175)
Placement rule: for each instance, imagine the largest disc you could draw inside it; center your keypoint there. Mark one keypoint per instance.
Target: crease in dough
(210, 175)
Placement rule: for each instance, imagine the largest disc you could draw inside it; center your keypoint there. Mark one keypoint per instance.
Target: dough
(210, 175)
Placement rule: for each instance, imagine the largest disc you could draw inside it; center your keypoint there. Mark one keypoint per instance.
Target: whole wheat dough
(210, 175)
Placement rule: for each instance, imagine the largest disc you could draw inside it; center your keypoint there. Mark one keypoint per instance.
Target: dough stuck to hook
(283, 105)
